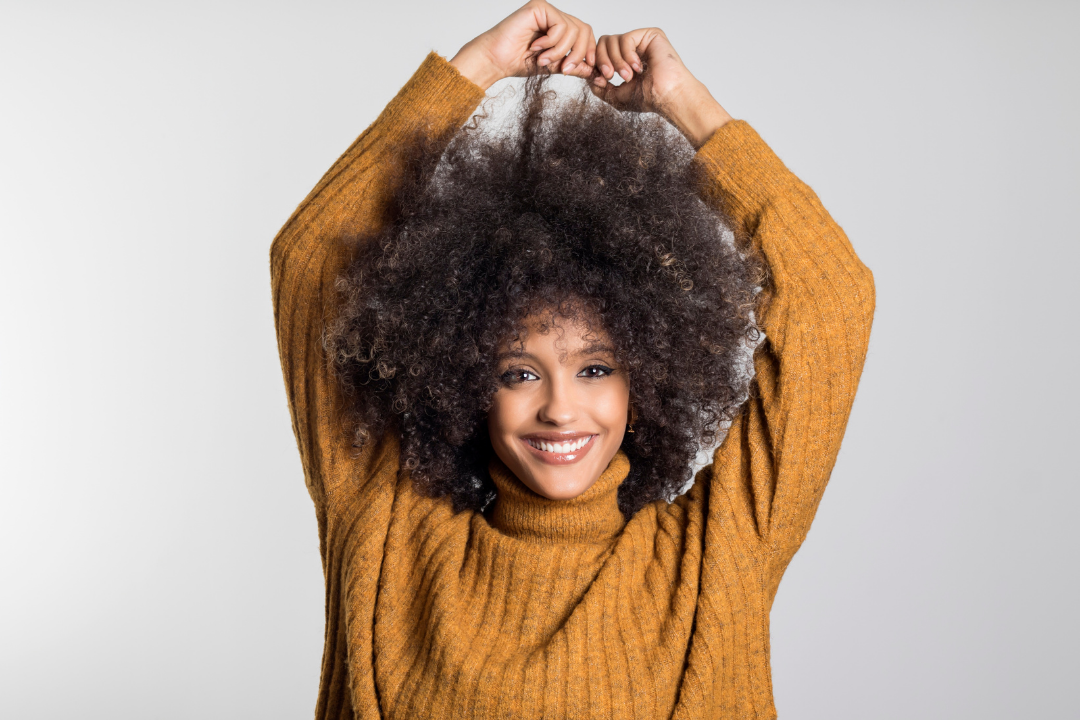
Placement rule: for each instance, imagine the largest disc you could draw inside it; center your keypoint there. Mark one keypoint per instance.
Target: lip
(558, 458)
(565, 436)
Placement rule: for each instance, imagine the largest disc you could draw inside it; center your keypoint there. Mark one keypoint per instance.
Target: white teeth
(561, 448)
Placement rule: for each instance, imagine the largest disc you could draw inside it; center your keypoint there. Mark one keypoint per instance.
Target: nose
(560, 403)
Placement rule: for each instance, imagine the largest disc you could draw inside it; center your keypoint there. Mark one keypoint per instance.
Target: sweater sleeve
(310, 252)
(816, 310)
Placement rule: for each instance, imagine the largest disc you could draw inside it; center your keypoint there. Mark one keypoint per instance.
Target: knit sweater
(563, 609)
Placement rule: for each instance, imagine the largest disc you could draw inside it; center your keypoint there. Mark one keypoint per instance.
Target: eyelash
(513, 375)
(604, 368)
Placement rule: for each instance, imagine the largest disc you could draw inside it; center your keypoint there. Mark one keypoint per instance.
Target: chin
(563, 487)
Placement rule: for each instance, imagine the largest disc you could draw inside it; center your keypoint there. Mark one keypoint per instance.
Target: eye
(596, 371)
(514, 376)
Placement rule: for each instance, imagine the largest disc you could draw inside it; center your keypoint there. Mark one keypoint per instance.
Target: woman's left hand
(655, 80)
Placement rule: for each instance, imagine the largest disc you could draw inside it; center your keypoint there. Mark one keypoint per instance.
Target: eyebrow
(594, 349)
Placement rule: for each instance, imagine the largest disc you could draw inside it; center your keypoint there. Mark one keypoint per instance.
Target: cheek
(612, 406)
(504, 415)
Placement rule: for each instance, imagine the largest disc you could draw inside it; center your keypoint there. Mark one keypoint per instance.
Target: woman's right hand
(565, 44)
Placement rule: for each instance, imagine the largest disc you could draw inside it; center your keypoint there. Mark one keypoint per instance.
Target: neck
(592, 517)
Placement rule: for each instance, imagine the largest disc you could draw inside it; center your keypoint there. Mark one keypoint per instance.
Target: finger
(603, 60)
(557, 55)
(557, 28)
(550, 39)
(542, 41)
(618, 96)
(576, 61)
(628, 48)
(618, 62)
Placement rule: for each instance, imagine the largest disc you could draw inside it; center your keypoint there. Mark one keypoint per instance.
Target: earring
(633, 417)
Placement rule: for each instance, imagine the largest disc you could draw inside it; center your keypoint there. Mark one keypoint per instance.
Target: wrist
(696, 113)
(475, 64)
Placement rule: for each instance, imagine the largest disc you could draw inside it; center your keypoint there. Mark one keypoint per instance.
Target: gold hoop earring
(633, 418)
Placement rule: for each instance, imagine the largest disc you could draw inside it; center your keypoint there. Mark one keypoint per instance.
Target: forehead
(562, 332)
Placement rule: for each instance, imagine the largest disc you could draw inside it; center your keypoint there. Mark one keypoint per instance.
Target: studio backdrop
(158, 550)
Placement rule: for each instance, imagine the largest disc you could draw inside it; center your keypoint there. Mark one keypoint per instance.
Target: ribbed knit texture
(553, 609)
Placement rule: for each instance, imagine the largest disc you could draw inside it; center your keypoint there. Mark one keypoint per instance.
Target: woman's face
(559, 415)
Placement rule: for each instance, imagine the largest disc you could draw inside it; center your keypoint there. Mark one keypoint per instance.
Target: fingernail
(543, 61)
(626, 74)
(606, 70)
(599, 82)
(568, 67)
(637, 67)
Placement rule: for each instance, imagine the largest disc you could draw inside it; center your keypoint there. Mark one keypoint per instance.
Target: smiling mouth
(561, 448)
(562, 452)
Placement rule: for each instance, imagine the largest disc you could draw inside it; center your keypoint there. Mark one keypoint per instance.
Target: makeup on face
(560, 448)
(560, 413)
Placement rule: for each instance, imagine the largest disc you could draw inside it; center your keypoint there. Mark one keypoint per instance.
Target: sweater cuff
(742, 170)
(437, 98)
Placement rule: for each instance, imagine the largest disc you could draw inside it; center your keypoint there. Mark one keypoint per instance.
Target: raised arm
(816, 310)
(309, 253)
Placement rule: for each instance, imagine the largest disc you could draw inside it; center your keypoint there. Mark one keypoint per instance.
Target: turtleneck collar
(592, 517)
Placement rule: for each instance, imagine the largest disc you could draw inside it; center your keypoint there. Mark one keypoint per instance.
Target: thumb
(627, 96)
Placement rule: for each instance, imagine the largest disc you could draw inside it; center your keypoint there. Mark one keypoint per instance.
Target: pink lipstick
(559, 448)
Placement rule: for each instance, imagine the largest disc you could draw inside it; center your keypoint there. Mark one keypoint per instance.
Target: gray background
(158, 551)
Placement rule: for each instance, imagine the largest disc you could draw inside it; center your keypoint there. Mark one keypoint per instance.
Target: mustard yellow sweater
(561, 609)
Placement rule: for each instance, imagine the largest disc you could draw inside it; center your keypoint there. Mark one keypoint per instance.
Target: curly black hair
(576, 205)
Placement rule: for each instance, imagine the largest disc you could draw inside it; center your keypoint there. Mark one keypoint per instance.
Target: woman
(528, 336)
